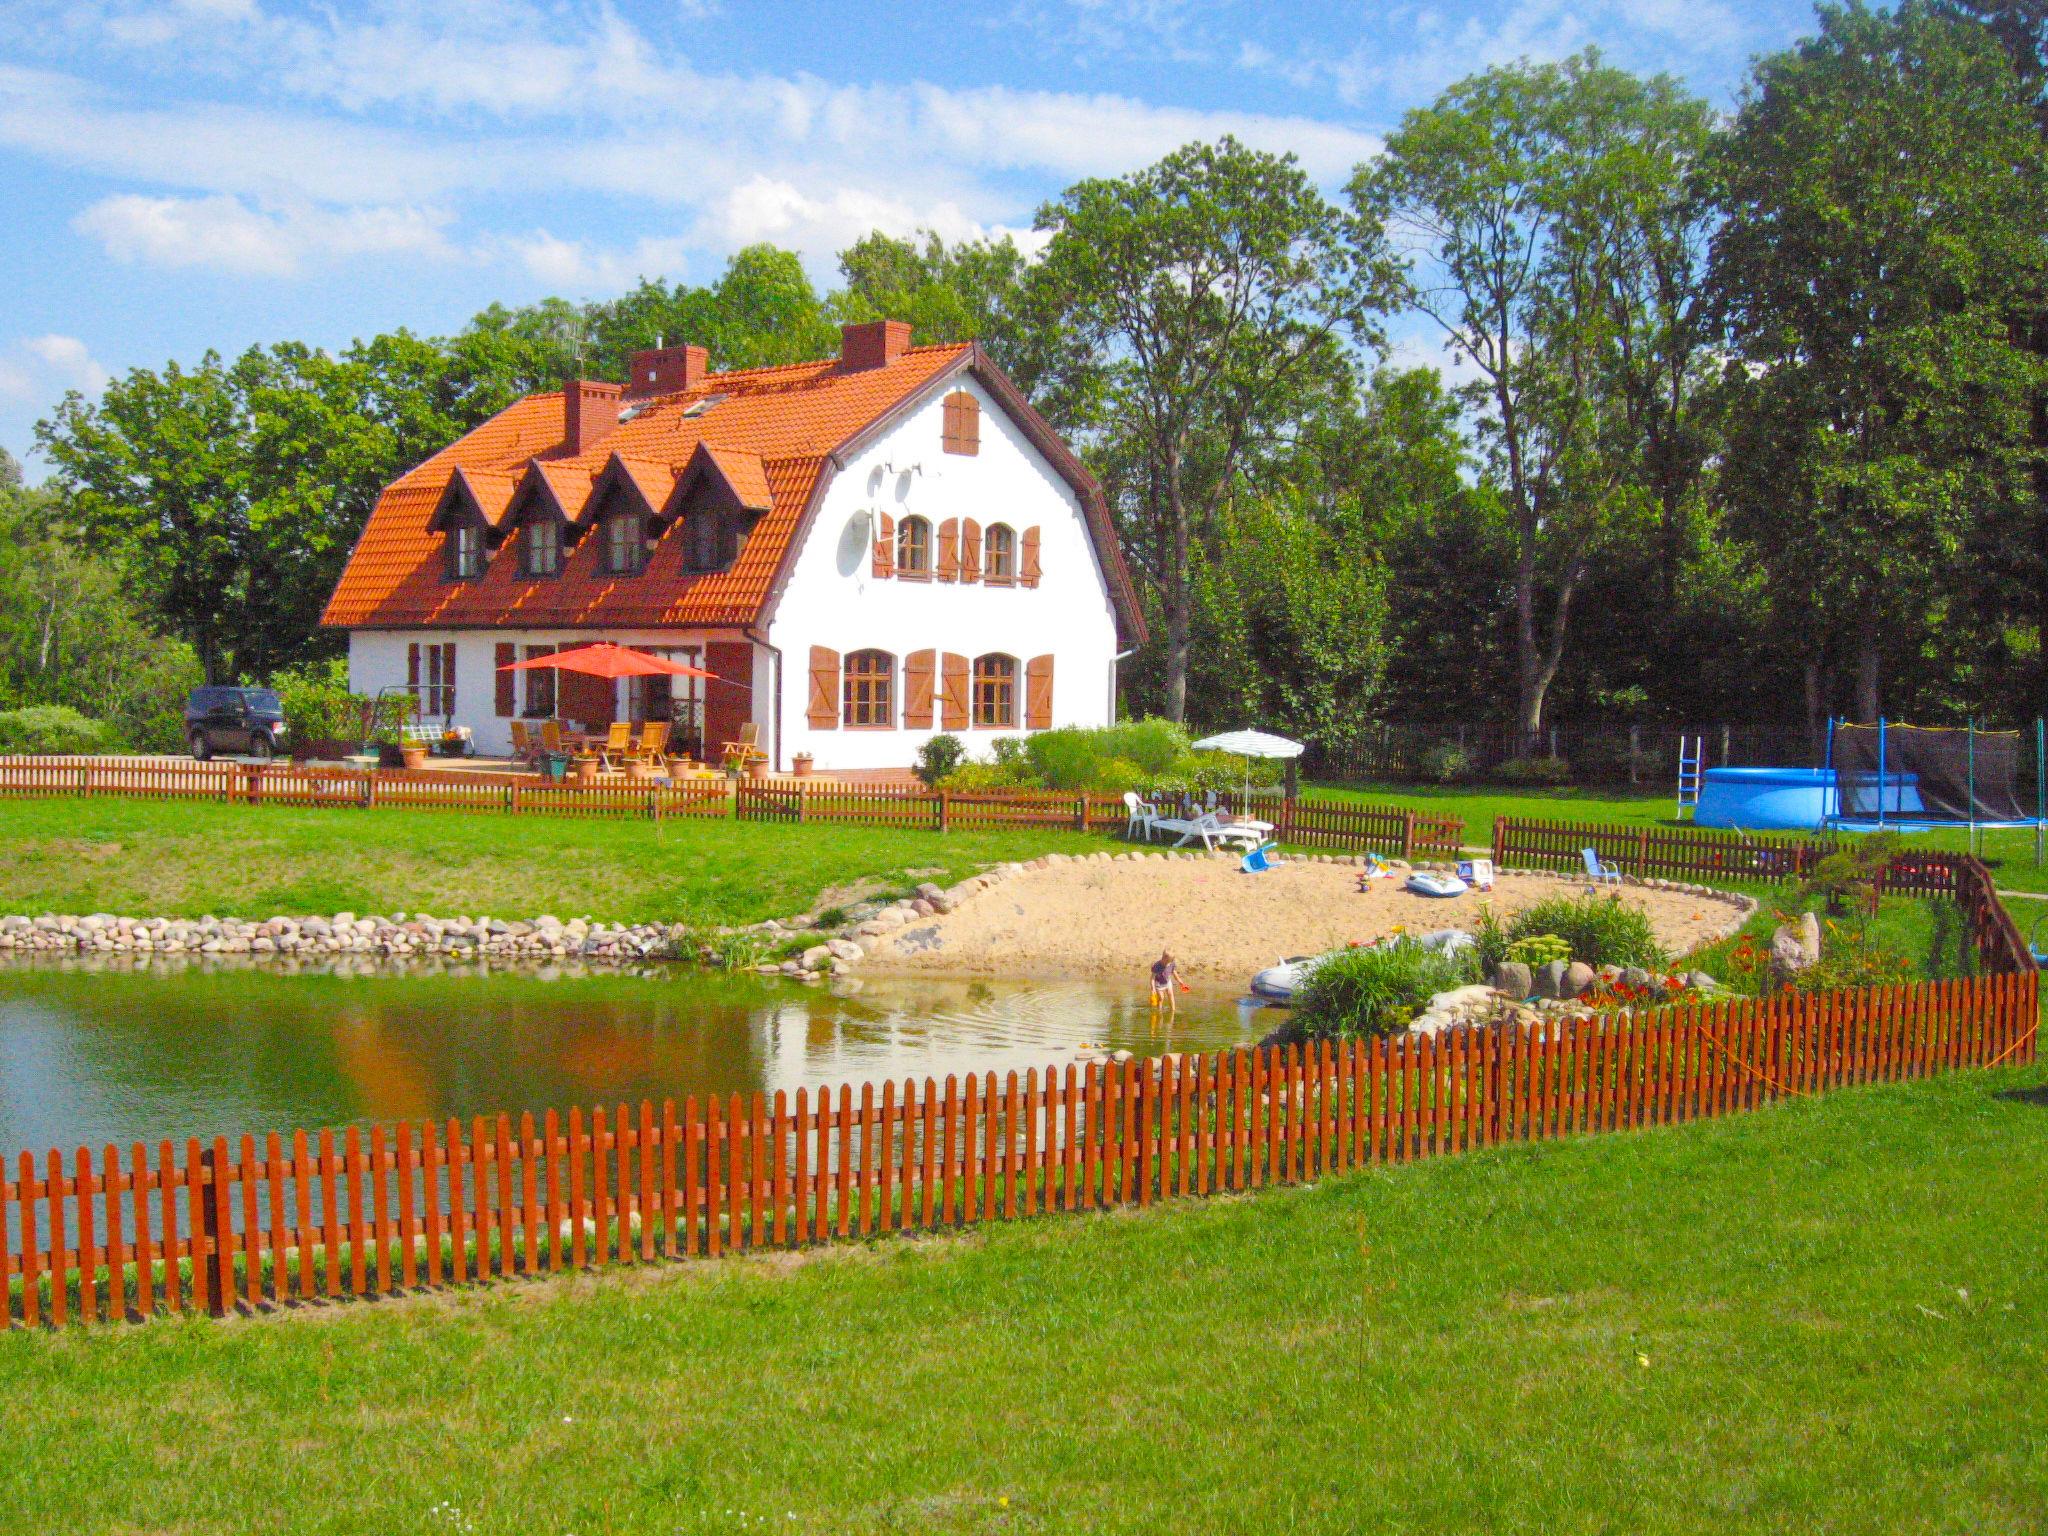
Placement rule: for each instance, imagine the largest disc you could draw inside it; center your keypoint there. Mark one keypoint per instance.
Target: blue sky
(184, 174)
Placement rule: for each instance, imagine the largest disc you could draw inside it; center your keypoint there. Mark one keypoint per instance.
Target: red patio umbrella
(605, 659)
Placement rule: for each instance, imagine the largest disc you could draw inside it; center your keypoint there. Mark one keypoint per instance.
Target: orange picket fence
(251, 1223)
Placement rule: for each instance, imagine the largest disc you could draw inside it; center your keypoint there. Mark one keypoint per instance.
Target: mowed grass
(1826, 1316)
(188, 859)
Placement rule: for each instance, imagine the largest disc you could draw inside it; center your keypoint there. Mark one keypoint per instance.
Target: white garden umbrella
(1251, 744)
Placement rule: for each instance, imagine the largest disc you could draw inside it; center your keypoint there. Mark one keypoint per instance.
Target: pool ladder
(1692, 755)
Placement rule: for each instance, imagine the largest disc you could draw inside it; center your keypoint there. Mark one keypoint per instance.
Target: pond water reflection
(95, 1053)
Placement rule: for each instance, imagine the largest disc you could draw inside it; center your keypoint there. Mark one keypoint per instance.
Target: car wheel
(200, 750)
(261, 749)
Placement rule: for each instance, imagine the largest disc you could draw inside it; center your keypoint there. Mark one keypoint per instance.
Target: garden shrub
(970, 778)
(938, 757)
(1538, 950)
(55, 729)
(1374, 991)
(1489, 939)
(1598, 929)
(1534, 771)
(1447, 763)
(317, 703)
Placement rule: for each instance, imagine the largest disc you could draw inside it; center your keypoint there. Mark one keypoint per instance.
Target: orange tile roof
(771, 432)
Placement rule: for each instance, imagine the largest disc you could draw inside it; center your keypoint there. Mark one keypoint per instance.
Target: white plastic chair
(1596, 872)
(1143, 813)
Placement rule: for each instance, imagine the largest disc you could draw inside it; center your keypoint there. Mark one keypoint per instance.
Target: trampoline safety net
(1917, 773)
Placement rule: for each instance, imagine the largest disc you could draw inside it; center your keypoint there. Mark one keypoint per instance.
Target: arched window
(995, 691)
(869, 689)
(999, 555)
(913, 547)
(960, 432)
(625, 543)
(540, 544)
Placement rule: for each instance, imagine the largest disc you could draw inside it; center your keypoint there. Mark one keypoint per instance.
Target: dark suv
(234, 720)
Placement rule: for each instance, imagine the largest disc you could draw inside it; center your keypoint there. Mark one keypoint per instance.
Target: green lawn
(1822, 1317)
(179, 859)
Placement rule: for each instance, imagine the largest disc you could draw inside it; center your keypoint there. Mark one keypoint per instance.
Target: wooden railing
(1656, 852)
(252, 1223)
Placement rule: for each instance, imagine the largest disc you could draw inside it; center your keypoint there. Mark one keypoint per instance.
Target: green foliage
(1537, 949)
(986, 777)
(1853, 870)
(1600, 930)
(317, 703)
(1533, 771)
(1446, 764)
(1489, 939)
(57, 729)
(939, 756)
(1374, 991)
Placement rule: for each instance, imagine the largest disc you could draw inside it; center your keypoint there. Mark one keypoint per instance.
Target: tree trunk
(1867, 660)
(1816, 707)
(1179, 601)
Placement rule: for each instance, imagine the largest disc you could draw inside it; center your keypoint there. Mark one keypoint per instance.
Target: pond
(91, 1054)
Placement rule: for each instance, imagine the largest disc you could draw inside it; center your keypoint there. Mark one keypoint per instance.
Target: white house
(864, 550)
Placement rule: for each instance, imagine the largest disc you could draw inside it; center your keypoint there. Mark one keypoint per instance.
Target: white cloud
(224, 234)
(69, 360)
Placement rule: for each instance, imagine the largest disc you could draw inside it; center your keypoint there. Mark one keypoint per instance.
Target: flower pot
(801, 763)
(586, 770)
(414, 758)
(758, 771)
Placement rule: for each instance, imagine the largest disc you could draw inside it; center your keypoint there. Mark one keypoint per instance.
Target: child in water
(1165, 981)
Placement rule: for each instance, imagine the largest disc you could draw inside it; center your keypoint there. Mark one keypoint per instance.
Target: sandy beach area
(1112, 918)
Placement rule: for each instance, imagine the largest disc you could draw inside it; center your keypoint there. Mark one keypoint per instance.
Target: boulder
(1700, 981)
(1550, 979)
(1809, 937)
(1635, 976)
(1513, 978)
(1578, 979)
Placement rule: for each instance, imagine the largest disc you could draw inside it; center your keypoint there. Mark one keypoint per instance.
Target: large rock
(1578, 978)
(1550, 979)
(1809, 937)
(1513, 978)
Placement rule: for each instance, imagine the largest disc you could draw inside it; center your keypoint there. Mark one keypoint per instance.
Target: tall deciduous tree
(1550, 226)
(1886, 215)
(1211, 293)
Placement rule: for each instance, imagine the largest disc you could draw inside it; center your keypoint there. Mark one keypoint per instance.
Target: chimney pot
(872, 344)
(666, 371)
(590, 414)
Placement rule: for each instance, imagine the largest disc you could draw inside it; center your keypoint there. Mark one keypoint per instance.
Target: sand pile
(1088, 918)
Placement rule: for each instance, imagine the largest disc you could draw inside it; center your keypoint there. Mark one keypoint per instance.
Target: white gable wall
(833, 598)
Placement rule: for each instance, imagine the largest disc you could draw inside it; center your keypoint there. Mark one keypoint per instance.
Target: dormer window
(914, 547)
(705, 540)
(961, 429)
(625, 543)
(540, 544)
(465, 551)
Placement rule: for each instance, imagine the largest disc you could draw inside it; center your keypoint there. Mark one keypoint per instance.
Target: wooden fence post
(1407, 834)
(1500, 842)
(1642, 850)
(1081, 811)
(207, 1227)
(945, 810)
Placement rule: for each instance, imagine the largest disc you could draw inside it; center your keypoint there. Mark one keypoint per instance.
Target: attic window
(699, 407)
(962, 426)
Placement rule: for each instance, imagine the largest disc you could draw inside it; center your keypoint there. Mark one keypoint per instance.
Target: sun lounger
(1211, 829)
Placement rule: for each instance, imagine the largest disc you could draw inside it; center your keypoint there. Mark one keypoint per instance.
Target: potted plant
(802, 764)
(757, 770)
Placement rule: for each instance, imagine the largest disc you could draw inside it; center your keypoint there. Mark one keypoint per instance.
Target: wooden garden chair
(618, 744)
(551, 738)
(653, 745)
(748, 748)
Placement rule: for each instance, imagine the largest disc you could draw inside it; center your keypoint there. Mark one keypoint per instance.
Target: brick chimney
(872, 344)
(590, 412)
(666, 371)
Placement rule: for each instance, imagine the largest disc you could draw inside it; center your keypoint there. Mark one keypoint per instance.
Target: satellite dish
(853, 543)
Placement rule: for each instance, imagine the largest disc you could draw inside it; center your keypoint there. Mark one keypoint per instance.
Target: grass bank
(188, 859)
(1825, 1316)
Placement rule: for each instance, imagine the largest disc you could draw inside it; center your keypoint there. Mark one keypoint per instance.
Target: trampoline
(1914, 778)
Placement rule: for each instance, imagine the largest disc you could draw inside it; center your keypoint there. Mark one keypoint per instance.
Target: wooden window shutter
(508, 682)
(412, 668)
(970, 550)
(917, 690)
(448, 678)
(953, 698)
(885, 546)
(823, 713)
(1027, 562)
(961, 431)
(949, 549)
(1038, 693)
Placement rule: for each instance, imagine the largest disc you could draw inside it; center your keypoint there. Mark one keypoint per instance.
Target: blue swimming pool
(1798, 799)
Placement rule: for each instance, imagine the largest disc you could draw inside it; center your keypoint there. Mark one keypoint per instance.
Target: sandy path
(1112, 919)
